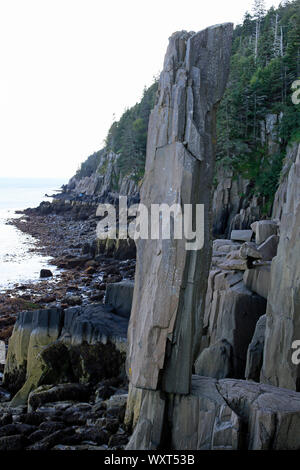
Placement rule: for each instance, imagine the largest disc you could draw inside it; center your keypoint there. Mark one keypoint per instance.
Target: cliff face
(106, 182)
(283, 310)
(234, 204)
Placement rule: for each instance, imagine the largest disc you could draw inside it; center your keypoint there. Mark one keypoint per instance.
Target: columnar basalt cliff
(283, 310)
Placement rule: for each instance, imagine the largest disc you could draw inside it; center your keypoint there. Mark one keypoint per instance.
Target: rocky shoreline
(83, 271)
(74, 412)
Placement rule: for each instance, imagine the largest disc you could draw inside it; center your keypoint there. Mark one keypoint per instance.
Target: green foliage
(89, 166)
(128, 136)
(264, 64)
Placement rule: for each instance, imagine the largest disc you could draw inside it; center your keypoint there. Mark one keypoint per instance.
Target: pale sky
(68, 66)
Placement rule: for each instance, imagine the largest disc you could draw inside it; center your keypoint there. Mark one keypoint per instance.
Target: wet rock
(119, 295)
(73, 300)
(32, 418)
(5, 418)
(116, 401)
(52, 346)
(37, 436)
(32, 332)
(93, 433)
(46, 273)
(12, 443)
(58, 437)
(118, 441)
(50, 393)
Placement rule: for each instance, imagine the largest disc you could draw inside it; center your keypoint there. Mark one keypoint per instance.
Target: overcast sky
(69, 66)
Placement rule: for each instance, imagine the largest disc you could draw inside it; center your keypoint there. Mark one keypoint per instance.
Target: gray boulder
(249, 250)
(268, 249)
(264, 229)
(119, 295)
(216, 361)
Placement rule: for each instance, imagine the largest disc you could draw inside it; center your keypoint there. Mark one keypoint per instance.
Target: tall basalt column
(283, 309)
(171, 281)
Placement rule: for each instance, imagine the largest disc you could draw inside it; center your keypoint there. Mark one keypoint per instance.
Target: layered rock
(230, 210)
(231, 314)
(223, 414)
(283, 310)
(107, 182)
(169, 294)
(83, 344)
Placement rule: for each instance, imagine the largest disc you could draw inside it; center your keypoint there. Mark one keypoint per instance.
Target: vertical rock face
(231, 314)
(283, 310)
(171, 282)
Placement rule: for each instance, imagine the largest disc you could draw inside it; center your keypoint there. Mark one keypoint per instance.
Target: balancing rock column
(171, 281)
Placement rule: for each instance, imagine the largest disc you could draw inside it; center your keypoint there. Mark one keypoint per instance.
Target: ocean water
(17, 263)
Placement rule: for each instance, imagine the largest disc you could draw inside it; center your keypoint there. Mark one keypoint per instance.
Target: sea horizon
(17, 263)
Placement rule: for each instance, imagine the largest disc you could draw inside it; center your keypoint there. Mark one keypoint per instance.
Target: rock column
(283, 309)
(171, 281)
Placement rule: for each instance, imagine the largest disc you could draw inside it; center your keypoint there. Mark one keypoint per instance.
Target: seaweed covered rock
(80, 344)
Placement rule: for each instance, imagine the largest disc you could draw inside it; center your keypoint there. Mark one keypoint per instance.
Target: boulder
(52, 393)
(119, 295)
(268, 249)
(116, 401)
(258, 279)
(233, 264)
(241, 235)
(256, 350)
(249, 250)
(264, 229)
(216, 360)
(45, 273)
